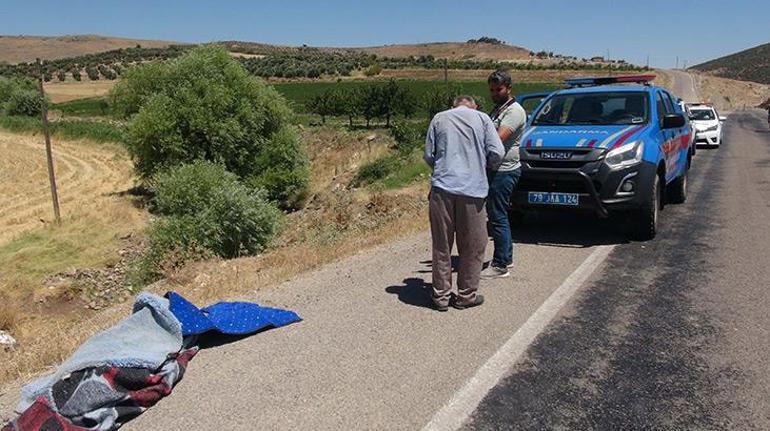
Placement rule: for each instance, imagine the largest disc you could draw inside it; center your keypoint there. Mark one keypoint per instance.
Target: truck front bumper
(599, 188)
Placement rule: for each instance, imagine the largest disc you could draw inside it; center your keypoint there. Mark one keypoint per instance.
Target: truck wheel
(644, 221)
(677, 191)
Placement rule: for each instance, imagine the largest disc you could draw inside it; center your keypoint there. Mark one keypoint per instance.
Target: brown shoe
(479, 300)
(440, 307)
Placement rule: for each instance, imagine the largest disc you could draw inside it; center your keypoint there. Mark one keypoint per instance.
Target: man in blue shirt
(462, 143)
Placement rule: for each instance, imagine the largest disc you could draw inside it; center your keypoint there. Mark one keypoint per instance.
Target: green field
(298, 93)
(89, 107)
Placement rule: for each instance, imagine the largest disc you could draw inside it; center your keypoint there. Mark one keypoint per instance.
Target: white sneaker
(493, 272)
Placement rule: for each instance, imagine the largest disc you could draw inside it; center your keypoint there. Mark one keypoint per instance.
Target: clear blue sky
(694, 30)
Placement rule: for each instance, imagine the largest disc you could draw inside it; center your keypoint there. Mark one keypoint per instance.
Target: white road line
(454, 414)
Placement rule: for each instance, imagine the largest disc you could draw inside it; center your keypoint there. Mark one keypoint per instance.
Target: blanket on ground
(143, 340)
(236, 318)
(102, 398)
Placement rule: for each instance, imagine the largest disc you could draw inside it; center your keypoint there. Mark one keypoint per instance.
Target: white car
(707, 124)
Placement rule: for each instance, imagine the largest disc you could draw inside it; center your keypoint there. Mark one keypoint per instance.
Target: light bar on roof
(607, 80)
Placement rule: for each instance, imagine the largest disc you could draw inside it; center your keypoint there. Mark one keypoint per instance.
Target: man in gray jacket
(462, 143)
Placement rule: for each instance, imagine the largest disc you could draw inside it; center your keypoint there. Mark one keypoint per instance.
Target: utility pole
(677, 62)
(648, 61)
(48, 153)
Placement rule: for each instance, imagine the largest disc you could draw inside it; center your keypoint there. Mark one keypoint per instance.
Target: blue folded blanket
(236, 318)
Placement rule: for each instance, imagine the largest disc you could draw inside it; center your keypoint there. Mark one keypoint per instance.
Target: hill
(450, 50)
(17, 49)
(752, 64)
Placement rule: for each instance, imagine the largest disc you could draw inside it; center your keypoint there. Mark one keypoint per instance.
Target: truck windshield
(622, 107)
(702, 114)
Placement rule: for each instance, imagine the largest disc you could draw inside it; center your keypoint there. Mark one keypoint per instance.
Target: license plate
(570, 199)
(555, 155)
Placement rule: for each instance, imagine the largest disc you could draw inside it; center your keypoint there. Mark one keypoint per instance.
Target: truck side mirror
(673, 121)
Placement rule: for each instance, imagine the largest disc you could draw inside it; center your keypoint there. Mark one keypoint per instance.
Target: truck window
(661, 108)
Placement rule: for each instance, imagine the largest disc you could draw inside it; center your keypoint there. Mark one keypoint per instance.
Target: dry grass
(244, 55)
(16, 49)
(730, 94)
(72, 90)
(87, 174)
(336, 155)
(95, 217)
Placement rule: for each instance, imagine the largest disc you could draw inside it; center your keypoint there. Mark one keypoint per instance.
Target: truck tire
(677, 191)
(644, 221)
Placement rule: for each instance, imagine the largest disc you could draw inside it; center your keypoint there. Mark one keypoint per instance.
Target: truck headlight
(626, 155)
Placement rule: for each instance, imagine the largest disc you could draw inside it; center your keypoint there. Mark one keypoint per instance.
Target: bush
(204, 105)
(376, 170)
(24, 102)
(93, 73)
(408, 135)
(19, 97)
(207, 212)
(373, 70)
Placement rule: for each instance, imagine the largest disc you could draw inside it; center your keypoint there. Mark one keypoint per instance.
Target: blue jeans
(501, 185)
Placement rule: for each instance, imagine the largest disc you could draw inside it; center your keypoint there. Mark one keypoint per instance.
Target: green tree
(348, 104)
(205, 105)
(389, 99)
(326, 103)
(368, 102)
(439, 98)
(373, 70)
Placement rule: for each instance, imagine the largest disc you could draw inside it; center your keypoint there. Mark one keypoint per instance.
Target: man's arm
(492, 144)
(510, 124)
(430, 144)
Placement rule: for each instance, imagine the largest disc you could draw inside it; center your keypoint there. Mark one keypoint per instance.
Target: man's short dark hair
(500, 77)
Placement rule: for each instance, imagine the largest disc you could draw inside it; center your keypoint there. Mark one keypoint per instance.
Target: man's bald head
(464, 100)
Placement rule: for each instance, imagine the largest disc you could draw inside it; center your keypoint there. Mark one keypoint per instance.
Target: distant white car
(707, 124)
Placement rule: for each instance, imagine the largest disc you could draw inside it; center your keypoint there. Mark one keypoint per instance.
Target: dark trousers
(501, 185)
(464, 218)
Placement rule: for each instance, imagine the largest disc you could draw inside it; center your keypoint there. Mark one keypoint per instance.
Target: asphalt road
(673, 333)
(683, 85)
